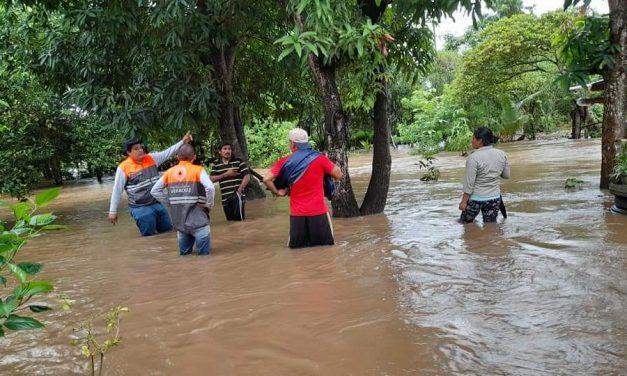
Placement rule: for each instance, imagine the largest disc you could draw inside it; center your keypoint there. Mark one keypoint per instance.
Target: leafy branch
(27, 226)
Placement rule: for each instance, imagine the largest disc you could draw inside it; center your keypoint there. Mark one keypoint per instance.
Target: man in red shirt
(310, 224)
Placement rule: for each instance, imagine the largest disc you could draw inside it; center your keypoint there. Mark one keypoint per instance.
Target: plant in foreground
(95, 341)
(17, 284)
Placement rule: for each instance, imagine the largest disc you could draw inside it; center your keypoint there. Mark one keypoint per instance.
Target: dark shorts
(234, 208)
(310, 231)
(489, 209)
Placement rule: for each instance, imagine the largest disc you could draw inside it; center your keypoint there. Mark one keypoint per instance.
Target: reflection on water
(408, 292)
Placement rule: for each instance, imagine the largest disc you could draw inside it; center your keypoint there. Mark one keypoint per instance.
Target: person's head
(482, 136)
(186, 153)
(225, 150)
(134, 149)
(298, 139)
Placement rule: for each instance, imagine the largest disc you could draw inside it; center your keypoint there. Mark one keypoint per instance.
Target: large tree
(597, 45)
(332, 35)
(151, 67)
(526, 66)
(493, 66)
(38, 126)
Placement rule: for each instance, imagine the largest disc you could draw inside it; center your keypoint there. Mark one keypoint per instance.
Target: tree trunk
(336, 127)
(231, 129)
(613, 119)
(377, 193)
(239, 132)
(55, 168)
(223, 61)
(254, 189)
(614, 94)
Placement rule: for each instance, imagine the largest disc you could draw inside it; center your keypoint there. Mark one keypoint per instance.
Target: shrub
(15, 296)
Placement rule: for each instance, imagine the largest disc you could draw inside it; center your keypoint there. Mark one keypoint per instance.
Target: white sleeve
(157, 191)
(209, 188)
(118, 187)
(162, 156)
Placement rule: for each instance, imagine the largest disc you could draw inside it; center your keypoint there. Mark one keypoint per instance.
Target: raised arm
(162, 156)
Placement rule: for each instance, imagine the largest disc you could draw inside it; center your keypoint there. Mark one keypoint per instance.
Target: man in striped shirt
(233, 175)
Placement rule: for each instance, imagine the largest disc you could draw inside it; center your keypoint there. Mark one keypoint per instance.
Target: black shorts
(310, 231)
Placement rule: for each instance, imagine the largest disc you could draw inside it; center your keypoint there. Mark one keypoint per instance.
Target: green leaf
(15, 322)
(33, 288)
(285, 40)
(7, 246)
(3, 104)
(42, 219)
(20, 211)
(285, 52)
(17, 272)
(31, 268)
(54, 227)
(360, 47)
(302, 4)
(1, 332)
(46, 196)
(312, 48)
(39, 308)
(7, 307)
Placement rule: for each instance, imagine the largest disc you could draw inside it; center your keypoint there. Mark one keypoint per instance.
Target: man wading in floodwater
(302, 176)
(233, 175)
(136, 175)
(189, 197)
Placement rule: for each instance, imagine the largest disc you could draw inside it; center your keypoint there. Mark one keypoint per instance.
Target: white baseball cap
(298, 136)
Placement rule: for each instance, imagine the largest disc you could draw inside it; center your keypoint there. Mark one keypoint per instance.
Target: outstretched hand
(188, 138)
(113, 218)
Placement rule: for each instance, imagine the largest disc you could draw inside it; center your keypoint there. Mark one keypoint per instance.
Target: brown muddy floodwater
(410, 292)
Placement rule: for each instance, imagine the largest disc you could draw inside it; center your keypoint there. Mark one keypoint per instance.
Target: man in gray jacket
(136, 175)
(190, 197)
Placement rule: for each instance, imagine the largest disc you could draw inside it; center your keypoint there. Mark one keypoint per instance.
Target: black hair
(223, 144)
(128, 144)
(485, 135)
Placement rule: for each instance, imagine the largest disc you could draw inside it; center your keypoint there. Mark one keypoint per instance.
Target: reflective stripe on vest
(185, 194)
(140, 177)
